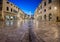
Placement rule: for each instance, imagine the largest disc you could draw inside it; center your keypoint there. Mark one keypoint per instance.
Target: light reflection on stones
(48, 31)
(16, 30)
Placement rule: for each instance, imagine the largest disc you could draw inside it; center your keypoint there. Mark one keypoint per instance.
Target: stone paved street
(48, 31)
(29, 31)
(13, 31)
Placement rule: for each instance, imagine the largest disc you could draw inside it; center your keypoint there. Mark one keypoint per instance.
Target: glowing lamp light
(55, 8)
(11, 17)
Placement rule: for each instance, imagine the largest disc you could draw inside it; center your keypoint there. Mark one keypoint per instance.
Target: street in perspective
(30, 21)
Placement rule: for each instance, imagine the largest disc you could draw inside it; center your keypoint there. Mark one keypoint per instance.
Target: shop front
(8, 17)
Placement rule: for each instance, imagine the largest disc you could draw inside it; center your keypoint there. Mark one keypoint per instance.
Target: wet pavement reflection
(48, 31)
(29, 31)
(13, 31)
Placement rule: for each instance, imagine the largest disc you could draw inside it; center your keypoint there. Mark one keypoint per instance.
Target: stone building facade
(48, 10)
(9, 11)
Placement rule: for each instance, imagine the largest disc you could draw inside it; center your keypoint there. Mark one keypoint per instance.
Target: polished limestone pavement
(29, 31)
(48, 31)
(14, 31)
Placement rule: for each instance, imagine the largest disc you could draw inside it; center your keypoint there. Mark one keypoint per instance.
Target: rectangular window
(11, 4)
(14, 6)
(49, 8)
(38, 8)
(45, 17)
(0, 16)
(7, 9)
(44, 3)
(0, 8)
(7, 2)
(0, 1)
(41, 12)
(15, 11)
(11, 9)
(41, 6)
(44, 10)
(49, 1)
(50, 16)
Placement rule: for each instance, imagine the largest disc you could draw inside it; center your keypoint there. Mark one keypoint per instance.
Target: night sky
(28, 6)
